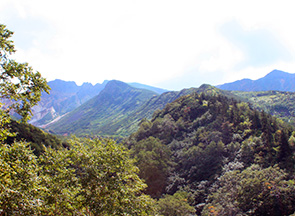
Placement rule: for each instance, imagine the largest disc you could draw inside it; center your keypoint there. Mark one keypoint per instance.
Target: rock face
(63, 98)
(102, 113)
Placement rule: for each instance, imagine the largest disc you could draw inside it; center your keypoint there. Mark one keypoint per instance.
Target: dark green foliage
(35, 136)
(208, 134)
(254, 191)
(91, 177)
(153, 160)
(178, 204)
(20, 187)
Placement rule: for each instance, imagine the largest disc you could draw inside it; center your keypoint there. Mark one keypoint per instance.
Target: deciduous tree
(20, 86)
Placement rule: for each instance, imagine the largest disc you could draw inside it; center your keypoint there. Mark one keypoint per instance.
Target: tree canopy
(20, 86)
(84, 177)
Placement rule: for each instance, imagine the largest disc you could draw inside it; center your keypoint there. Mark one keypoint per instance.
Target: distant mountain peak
(277, 74)
(275, 80)
(151, 88)
(86, 84)
(116, 84)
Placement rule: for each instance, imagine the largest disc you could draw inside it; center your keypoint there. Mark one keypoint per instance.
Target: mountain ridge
(65, 96)
(115, 111)
(114, 102)
(275, 80)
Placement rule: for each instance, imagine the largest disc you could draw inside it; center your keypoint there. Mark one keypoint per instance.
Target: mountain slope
(35, 136)
(277, 103)
(63, 98)
(106, 115)
(199, 140)
(275, 80)
(159, 102)
(151, 88)
(97, 116)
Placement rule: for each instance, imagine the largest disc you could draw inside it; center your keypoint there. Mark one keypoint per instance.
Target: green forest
(202, 154)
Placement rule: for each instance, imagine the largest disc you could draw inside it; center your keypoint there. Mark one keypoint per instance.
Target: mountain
(275, 80)
(151, 88)
(64, 97)
(98, 115)
(160, 101)
(230, 158)
(130, 122)
(105, 114)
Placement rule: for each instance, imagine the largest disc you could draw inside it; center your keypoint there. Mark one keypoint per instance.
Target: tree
(57, 175)
(4, 122)
(254, 191)
(20, 189)
(153, 159)
(92, 177)
(177, 204)
(108, 178)
(20, 86)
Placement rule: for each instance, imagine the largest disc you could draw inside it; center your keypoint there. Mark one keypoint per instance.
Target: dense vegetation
(277, 103)
(231, 158)
(85, 177)
(35, 136)
(92, 177)
(204, 153)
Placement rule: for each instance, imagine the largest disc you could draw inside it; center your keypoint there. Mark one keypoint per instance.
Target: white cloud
(150, 41)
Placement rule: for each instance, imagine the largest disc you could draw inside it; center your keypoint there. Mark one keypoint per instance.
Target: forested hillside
(37, 138)
(202, 152)
(119, 108)
(230, 158)
(101, 114)
(277, 103)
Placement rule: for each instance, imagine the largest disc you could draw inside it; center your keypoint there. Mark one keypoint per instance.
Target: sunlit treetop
(19, 84)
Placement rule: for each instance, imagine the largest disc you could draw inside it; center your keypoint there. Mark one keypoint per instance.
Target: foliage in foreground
(90, 177)
(20, 85)
(93, 177)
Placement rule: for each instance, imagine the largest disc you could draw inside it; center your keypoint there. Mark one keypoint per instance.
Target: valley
(207, 149)
(101, 112)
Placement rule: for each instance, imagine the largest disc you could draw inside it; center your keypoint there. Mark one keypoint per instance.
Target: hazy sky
(164, 43)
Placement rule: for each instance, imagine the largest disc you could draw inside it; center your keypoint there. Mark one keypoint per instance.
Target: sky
(164, 43)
